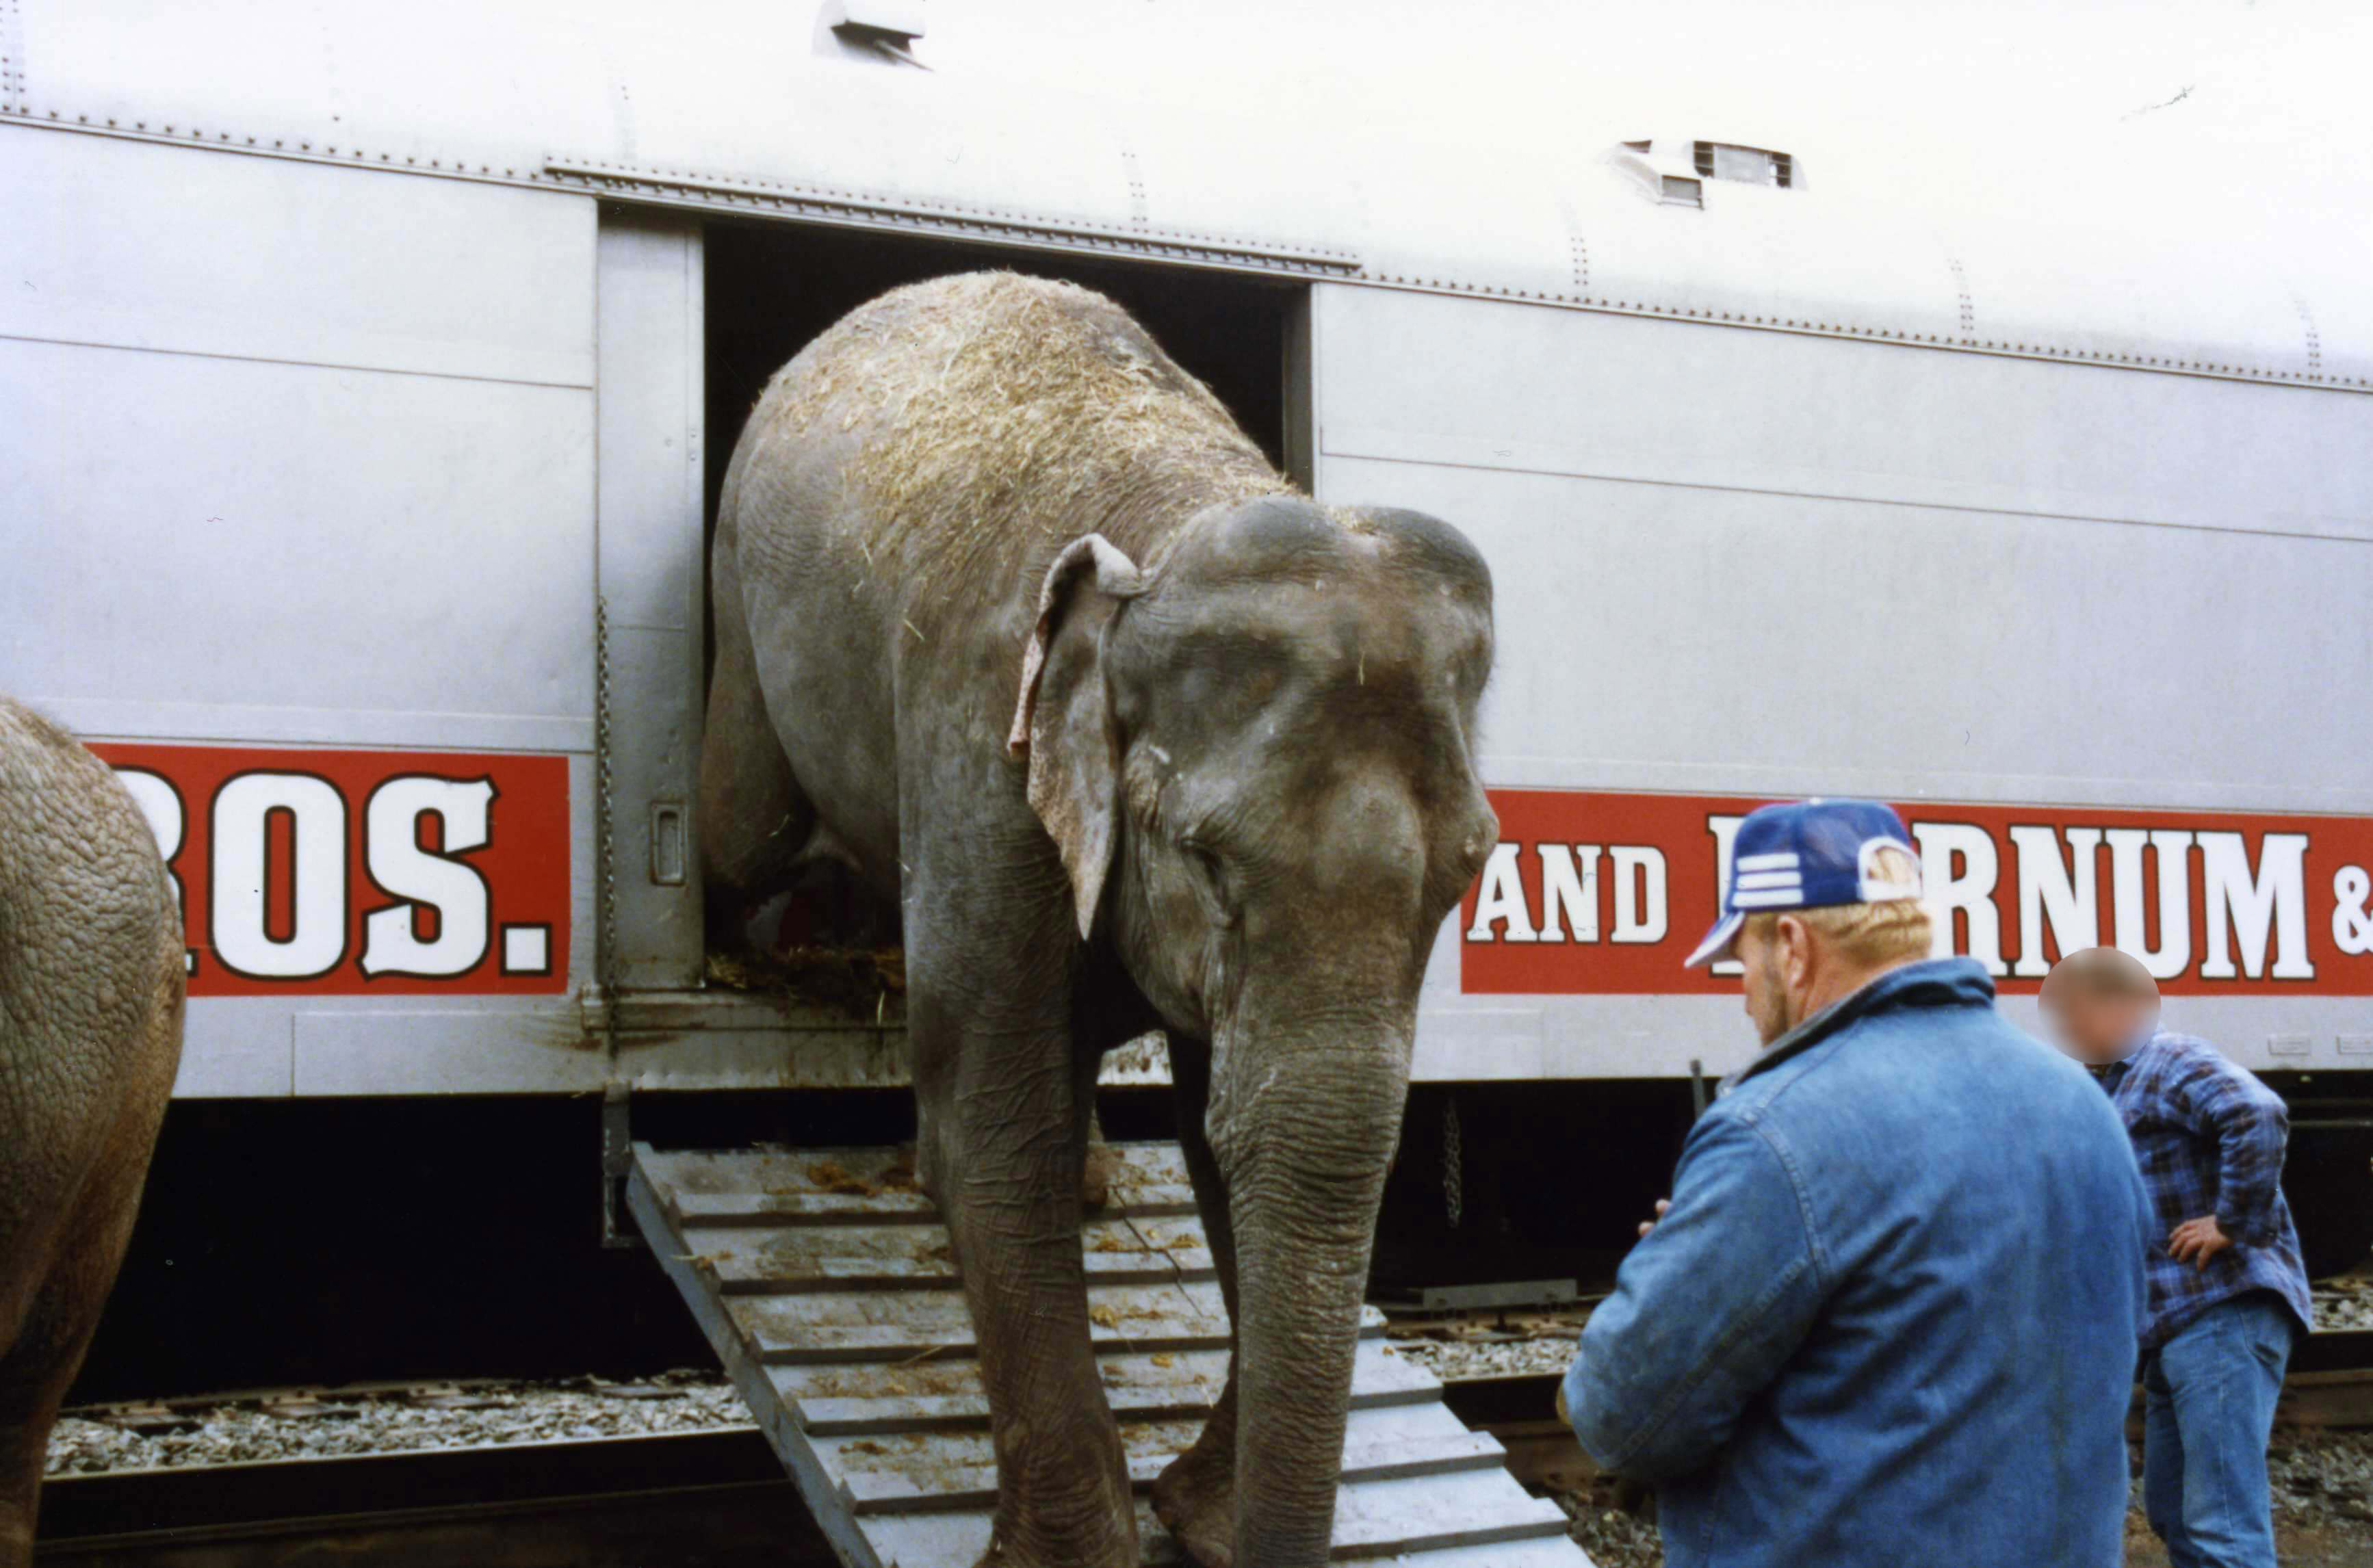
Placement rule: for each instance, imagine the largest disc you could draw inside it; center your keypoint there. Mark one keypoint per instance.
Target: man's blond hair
(1868, 935)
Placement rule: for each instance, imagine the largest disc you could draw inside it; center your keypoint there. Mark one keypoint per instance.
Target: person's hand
(1664, 1207)
(1565, 1417)
(2196, 1241)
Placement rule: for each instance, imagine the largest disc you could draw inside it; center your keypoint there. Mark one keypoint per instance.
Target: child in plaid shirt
(2228, 1293)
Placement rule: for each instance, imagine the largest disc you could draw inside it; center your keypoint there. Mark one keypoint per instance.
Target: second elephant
(91, 983)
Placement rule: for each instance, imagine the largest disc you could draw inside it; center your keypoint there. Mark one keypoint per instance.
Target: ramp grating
(823, 1280)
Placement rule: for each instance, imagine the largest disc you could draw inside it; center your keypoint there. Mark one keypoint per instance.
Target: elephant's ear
(1063, 722)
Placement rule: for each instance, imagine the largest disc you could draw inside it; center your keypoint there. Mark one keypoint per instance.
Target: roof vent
(1749, 165)
(882, 31)
(1673, 173)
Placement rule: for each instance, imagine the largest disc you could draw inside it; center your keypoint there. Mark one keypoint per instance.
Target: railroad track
(2329, 1385)
(717, 1497)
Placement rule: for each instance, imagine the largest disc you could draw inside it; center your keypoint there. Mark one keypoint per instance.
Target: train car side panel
(1726, 559)
(306, 530)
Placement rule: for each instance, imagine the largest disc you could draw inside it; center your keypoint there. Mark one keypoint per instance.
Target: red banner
(1604, 894)
(350, 872)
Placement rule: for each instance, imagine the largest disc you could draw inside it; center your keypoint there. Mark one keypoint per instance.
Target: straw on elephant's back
(1001, 412)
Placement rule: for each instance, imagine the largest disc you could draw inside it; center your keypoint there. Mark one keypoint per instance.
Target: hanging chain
(605, 935)
(1453, 1195)
(617, 1133)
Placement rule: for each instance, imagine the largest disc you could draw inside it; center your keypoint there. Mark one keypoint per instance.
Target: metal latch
(668, 847)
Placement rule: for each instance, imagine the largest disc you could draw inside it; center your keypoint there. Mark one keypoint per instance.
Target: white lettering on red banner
(1601, 893)
(347, 873)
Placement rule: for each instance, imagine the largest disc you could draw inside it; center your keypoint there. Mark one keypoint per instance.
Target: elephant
(1013, 620)
(91, 982)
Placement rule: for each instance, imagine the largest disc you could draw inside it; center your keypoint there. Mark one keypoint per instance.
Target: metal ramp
(823, 1280)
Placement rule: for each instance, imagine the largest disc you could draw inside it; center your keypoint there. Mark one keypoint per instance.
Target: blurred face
(2096, 1028)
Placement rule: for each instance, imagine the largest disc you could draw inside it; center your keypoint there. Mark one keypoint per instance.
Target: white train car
(365, 372)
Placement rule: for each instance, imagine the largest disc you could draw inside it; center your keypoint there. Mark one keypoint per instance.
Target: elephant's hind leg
(754, 818)
(47, 1348)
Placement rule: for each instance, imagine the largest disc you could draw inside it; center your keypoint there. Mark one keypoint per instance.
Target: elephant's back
(968, 426)
(90, 946)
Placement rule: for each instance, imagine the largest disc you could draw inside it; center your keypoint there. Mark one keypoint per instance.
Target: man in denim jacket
(1888, 1315)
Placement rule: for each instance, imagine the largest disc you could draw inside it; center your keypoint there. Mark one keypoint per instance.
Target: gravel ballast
(334, 1423)
(2346, 1302)
(2323, 1491)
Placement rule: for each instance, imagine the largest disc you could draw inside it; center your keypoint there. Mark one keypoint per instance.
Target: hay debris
(855, 981)
(831, 1176)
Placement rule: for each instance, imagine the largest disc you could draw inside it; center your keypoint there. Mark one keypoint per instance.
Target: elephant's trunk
(1312, 1131)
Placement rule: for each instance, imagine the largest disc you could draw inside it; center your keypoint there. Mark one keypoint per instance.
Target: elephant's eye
(1209, 874)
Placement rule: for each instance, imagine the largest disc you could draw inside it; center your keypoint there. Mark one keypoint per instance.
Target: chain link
(605, 935)
(1453, 1194)
(617, 1136)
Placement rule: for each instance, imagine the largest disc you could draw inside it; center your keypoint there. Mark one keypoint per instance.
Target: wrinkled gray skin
(90, 1034)
(1254, 757)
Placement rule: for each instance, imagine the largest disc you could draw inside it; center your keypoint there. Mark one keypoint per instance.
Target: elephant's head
(1257, 756)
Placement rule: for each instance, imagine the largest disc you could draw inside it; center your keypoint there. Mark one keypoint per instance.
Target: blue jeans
(2208, 1408)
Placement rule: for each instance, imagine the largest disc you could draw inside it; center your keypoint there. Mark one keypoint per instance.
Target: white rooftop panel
(2063, 211)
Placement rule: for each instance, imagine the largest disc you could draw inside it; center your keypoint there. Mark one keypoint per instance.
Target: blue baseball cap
(1812, 855)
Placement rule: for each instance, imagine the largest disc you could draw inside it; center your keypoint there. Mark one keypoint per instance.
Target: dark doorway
(772, 288)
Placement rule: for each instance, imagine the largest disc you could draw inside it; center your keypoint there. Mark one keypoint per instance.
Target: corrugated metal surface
(835, 1310)
(727, 107)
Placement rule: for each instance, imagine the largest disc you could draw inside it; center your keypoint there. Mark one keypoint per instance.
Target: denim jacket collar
(1931, 982)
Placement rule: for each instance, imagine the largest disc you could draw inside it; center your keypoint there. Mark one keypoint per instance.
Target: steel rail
(708, 1495)
(713, 1497)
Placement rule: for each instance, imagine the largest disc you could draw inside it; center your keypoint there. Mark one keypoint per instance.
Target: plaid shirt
(2209, 1138)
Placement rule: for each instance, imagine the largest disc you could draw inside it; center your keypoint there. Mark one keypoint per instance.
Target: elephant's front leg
(1002, 1151)
(1195, 1493)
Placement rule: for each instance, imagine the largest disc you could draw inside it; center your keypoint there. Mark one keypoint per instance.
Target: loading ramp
(823, 1279)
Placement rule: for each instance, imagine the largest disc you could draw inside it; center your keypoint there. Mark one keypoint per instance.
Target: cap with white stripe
(1812, 855)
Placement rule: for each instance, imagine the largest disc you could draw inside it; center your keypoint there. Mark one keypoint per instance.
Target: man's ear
(1791, 950)
(1063, 721)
